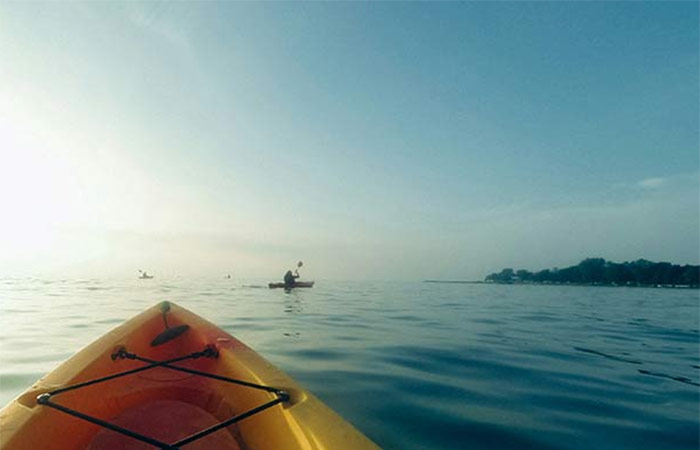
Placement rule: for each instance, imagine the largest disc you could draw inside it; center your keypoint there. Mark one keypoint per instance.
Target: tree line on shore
(598, 271)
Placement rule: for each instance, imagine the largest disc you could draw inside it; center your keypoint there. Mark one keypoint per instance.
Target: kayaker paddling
(290, 279)
(144, 275)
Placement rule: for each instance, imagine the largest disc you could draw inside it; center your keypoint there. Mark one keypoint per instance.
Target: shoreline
(649, 286)
(454, 282)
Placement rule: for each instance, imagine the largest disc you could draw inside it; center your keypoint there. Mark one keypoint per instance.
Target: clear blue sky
(398, 141)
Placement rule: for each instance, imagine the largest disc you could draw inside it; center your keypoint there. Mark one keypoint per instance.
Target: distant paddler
(144, 275)
(290, 279)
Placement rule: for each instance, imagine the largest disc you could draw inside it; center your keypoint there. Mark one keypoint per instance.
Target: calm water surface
(420, 366)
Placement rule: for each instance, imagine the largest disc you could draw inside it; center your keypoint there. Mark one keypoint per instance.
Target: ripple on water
(428, 427)
(423, 367)
(608, 356)
(110, 321)
(311, 355)
(680, 379)
(14, 381)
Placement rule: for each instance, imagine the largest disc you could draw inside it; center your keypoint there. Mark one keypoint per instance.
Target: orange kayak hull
(169, 405)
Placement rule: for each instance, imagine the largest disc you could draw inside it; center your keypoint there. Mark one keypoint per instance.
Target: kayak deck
(168, 403)
(164, 420)
(179, 422)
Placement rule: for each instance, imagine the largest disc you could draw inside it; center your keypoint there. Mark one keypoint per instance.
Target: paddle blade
(169, 334)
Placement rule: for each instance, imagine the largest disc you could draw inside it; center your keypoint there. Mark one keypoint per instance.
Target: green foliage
(505, 276)
(598, 271)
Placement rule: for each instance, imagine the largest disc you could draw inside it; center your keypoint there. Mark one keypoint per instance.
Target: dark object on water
(290, 279)
(169, 333)
(298, 284)
(145, 275)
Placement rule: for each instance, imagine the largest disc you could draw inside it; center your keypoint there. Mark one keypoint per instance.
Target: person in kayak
(290, 279)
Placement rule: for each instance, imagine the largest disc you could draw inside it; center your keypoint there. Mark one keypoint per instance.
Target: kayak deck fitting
(195, 388)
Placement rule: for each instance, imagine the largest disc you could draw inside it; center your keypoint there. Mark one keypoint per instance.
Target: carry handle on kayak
(209, 351)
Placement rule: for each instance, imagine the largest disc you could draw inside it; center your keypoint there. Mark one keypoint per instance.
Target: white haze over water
(214, 139)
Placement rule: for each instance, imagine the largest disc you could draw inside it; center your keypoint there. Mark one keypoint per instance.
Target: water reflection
(293, 302)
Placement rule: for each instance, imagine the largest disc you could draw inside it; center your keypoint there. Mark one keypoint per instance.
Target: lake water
(418, 365)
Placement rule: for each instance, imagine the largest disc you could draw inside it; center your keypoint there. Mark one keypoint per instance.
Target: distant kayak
(144, 275)
(298, 284)
(168, 379)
